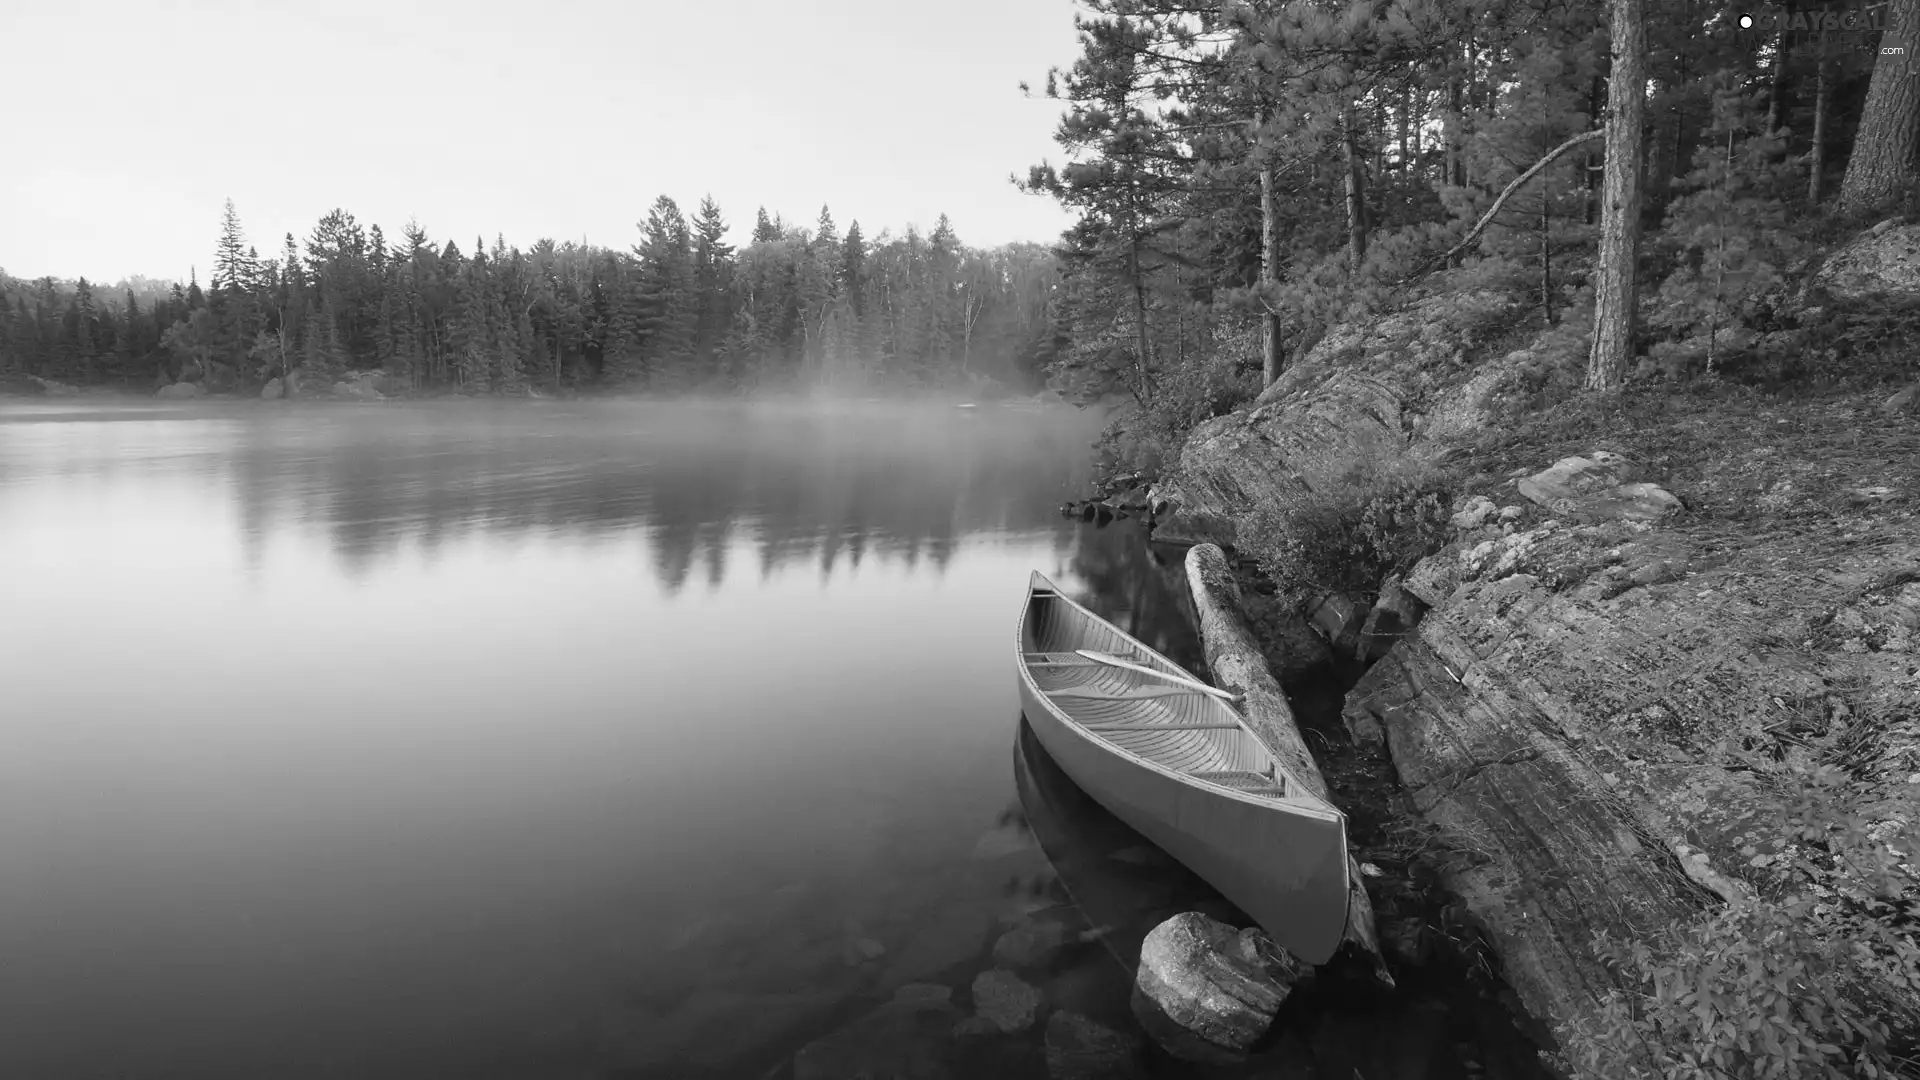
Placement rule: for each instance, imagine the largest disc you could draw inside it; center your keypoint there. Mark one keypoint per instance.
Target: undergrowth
(1350, 538)
(1765, 988)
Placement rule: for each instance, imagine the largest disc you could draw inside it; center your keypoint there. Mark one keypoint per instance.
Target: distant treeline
(682, 310)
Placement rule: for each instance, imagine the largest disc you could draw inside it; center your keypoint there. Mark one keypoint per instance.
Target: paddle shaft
(1115, 661)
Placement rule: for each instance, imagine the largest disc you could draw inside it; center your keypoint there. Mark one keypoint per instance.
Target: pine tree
(764, 230)
(232, 268)
(666, 305)
(712, 273)
(853, 270)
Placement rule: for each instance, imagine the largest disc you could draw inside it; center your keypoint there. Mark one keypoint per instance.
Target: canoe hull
(1282, 861)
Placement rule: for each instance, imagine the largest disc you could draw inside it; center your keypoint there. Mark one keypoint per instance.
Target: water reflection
(1119, 880)
(552, 740)
(799, 482)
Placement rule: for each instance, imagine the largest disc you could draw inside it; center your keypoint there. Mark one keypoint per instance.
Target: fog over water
(507, 739)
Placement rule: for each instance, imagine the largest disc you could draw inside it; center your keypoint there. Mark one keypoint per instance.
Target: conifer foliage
(1256, 172)
(681, 310)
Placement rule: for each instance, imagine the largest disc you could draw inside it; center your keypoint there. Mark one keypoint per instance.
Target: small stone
(1476, 511)
(1001, 998)
(1510, 513)
(1370, 870)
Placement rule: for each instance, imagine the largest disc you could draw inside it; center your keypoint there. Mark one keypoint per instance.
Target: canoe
(1178, 764)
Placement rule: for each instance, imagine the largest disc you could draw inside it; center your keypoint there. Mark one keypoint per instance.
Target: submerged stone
(1003, 1000)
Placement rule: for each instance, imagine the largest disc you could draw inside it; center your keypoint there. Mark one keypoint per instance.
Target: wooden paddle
(1114, 661)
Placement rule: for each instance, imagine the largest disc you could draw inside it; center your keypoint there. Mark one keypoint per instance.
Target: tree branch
(1518, 181)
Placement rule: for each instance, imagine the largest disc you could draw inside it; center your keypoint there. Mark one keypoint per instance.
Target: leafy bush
(1190, 390)
(1351, 537)
(1789, 985)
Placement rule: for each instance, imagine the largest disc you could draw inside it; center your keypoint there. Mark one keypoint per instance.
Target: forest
(681, 311)
(1243, 177)
(1248, 176)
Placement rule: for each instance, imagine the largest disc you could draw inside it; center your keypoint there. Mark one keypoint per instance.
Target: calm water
(531, 740)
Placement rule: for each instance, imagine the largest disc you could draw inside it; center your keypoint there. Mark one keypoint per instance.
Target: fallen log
(1234, 659)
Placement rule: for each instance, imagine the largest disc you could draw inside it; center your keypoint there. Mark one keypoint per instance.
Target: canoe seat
(1067, 659)
(1135, 694)
(1243, 780)
(1147, 725)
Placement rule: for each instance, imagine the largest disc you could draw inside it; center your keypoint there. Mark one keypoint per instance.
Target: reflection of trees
(1139, 587)
(1115, 876)
(806, 482)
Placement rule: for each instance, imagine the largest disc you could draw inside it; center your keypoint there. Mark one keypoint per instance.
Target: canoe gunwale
(1303, 804)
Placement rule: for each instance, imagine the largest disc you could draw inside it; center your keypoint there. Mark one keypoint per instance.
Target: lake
(535, 739)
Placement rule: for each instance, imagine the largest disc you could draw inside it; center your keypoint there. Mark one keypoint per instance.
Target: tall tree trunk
(1614, 291)
(1546, 258)
(1143, 342)
(1406, 119)
(1380, 139)
(1817, 153)
(1882, 166)
(1356, 195)
(1590, 167)
(1456, 134)
(1776, 87)
(1270, 363)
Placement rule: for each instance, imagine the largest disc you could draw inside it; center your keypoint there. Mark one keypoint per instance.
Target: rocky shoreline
(1591, 699)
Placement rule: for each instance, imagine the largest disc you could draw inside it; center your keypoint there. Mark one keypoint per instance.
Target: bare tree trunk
(1270, 363)
(1234, 659)
(1356, 195)
(1817, 153)
(1506, 193)
(1882, 167)
(1614, 286)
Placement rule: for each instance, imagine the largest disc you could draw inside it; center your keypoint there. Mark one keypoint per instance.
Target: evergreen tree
(764, 230)
(666, 308)
(853, 270)
(712, 273)
(232, 268)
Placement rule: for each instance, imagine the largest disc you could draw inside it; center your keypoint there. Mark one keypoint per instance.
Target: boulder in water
(1206, 991)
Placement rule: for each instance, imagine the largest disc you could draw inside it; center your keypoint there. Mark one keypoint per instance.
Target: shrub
(1789, 985)
(1351, 537)
(1192, 389)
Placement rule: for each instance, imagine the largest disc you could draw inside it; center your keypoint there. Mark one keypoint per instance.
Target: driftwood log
(1234, 658)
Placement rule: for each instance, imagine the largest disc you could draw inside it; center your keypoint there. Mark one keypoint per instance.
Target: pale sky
(133, 121)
